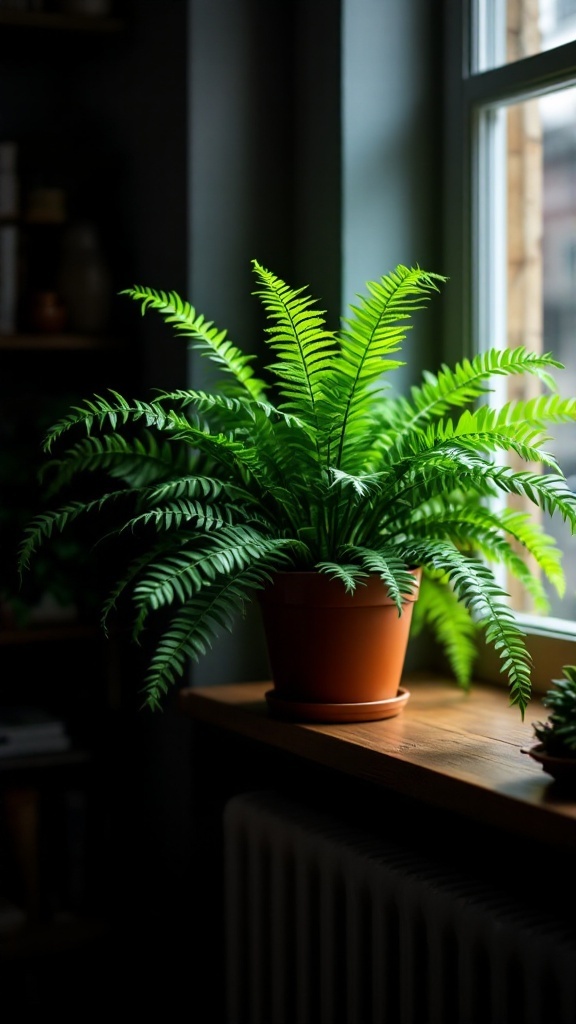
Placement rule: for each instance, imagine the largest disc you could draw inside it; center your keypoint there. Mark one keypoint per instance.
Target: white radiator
(327, 925)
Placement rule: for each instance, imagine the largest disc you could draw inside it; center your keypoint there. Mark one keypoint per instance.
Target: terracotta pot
(563, 769)
(334, 655)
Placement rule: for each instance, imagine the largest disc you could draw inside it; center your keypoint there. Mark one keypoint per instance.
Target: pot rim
(313, 587)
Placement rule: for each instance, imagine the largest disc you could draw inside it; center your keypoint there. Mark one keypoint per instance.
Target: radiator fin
(328, 925)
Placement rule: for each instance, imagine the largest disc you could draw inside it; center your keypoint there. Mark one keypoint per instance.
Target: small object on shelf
(48, 313)
(84, 279)
(12, 917)
(562, 769)
(31, 730)
(41, 306)
(46, 206)
(556, 746)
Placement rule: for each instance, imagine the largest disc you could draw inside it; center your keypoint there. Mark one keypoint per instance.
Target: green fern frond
(364, 485)
(456, 633)
(478, 431)
(183, 512)
(439, 471)
(380, 321)
(206, 338)
(352, 576)
(304, 347)
(477, 528)
(388, 566)
(540, 411)
(489, 429)
(475, 586)
(375, 330)
(98, 413)
(249, 464)
(548, 491)
(477, 533)
(163, 546)
(224, 447)
(542, 547)
(197, 486)
(205, 616)
(180, 573)
(45, 524)
(190, 635)
(471, 378)
(138, 461)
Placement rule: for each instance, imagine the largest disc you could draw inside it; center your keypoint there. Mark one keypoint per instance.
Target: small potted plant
(556, 747)
(315, 484)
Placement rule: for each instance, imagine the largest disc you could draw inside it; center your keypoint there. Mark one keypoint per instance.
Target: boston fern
(318, 466)
(558, 733)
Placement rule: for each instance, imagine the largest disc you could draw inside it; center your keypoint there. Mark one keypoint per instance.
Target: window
(511, 215)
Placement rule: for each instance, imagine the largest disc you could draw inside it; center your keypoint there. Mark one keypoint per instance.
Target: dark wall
(104, 117)
(206, 134)
(144, 107)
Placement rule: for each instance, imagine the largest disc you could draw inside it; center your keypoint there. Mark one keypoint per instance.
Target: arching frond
(206, 614)
(137, 461)
(369, 337)
(476, 588)
(439, 610)
(468, 380)
(205, 337)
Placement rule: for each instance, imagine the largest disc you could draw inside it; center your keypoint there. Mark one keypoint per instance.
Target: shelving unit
(98, 108)
(55, 807)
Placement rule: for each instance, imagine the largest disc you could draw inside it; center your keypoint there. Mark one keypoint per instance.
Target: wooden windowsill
(456, 751)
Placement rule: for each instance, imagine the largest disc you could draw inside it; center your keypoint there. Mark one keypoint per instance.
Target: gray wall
(391, 139)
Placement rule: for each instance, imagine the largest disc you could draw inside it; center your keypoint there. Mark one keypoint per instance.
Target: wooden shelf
(59, 22)
(46, 633)
(51, 939)
(34, 762)
(461, 752)
(53, 342)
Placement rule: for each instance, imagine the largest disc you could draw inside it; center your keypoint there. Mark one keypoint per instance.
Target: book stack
(31, 730)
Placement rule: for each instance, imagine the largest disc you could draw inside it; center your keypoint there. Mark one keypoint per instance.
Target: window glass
(540, 252)
(510, 30)
(524, 241)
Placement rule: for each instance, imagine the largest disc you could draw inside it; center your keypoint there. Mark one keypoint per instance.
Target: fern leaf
(375, 330)
(470, 379)
(475, 586)
(205, 337)
(304, 347)
(193, 629)
(386, 564)
(438, 609)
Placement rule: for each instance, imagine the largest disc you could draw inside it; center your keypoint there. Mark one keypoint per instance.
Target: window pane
(509, 30)
(541, 274)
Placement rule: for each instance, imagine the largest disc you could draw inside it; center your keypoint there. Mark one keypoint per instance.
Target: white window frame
(470, 97)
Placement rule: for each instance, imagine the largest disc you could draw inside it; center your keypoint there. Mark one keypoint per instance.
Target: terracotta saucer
(370, 711)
